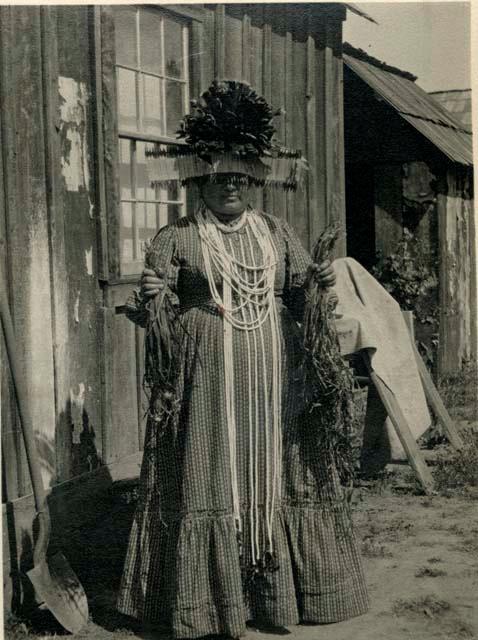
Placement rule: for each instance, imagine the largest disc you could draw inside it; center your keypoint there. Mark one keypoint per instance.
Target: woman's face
(224, 197)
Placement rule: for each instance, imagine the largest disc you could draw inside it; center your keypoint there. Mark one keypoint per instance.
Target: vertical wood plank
(219, 41)
(246, 47)
(110, 133)
(197, 72)
(27, 221)
(208, 47)
(106, 318)
(256, 63)
(123, 437)
(455, 272)
(330, 159)
(11, 442)
(300, 214)
(315, 226)
(101, 205)
(77, 115)
(233, 37)
(56, 229)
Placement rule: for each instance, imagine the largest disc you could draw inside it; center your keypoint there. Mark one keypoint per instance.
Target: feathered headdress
(230, 130)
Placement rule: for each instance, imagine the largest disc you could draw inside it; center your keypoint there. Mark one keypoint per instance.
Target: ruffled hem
(186, 572)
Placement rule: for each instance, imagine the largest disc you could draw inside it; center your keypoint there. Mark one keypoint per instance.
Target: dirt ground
(420, 556)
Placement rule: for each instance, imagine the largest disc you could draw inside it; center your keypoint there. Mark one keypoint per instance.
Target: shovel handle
(22, 400)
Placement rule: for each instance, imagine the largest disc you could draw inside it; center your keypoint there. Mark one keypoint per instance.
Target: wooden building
(83, 91)
(408, 164)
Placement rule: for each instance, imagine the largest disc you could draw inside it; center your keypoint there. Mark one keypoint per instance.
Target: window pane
(125, 36)
(152, 121)
(146, 226)
(127, 116)
(150, 41)
(174, 212)
(173, 48)
(151, 219)
(174, 106)
(125, 169)
(144, 191)
(140, 224)
(126, 232)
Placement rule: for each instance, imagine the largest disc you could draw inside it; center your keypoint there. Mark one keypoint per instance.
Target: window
(152, 87)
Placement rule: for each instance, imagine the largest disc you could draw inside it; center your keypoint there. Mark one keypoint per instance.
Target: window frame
(137, 203)
(108, 133)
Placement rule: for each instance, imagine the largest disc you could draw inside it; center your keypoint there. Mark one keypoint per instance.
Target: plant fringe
(328, 380)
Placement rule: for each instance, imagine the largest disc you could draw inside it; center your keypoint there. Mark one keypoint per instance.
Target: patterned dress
(186, 566)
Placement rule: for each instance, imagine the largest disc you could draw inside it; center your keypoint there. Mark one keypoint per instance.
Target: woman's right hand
(152, 283)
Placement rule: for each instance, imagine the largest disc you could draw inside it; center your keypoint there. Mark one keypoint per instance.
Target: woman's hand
(323, 274)
(151, 283)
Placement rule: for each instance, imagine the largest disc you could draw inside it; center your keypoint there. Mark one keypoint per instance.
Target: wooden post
(431, 392)
(402, 429)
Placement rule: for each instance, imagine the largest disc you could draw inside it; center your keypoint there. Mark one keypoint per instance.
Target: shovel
(56, 586)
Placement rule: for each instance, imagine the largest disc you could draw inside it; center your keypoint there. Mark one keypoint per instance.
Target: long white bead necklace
(253, 286)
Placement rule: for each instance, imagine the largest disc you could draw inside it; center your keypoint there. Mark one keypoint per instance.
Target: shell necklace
(248, 304)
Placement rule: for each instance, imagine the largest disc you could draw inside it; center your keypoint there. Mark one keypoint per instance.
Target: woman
(239, 519)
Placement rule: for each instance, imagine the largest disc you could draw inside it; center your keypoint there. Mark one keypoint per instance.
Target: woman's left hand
(323, 273)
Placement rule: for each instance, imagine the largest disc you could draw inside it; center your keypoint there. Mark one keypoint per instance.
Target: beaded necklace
(252, 287)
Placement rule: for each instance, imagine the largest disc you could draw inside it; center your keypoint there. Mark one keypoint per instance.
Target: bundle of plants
(328, 380)
(163, 348)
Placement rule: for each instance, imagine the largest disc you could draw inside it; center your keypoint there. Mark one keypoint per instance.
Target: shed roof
(417, 107)
(457, 102)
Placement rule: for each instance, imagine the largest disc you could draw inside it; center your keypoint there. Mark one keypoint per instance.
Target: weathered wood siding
(49, 240)
(81, 358)
(457, 251)
(60, 207)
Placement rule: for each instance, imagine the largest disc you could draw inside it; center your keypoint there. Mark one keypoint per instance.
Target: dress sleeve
(297, 262)
(161, 255)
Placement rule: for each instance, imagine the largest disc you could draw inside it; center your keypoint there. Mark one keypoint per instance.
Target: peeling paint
(89, 261)
(73, 131)
(77, 404)
(76, 311)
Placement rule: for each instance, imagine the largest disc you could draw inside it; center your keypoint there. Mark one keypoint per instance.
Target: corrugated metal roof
(418, 108)
(457, 102)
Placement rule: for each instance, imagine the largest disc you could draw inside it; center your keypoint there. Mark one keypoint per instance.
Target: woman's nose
(229, 186)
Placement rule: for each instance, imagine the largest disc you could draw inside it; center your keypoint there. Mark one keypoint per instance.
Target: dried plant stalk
(328, 380)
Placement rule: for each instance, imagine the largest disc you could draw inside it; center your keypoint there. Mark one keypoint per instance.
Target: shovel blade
(57, 586)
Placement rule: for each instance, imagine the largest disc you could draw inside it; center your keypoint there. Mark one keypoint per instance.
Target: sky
(429, 39)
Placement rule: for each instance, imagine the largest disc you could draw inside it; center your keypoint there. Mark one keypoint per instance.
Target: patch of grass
(373, 549)
(427, 543)
(458, 392)
(463, 631)
(429, 605)
(429, 572)
(458, 470)
(392, 531)
(434, 560)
